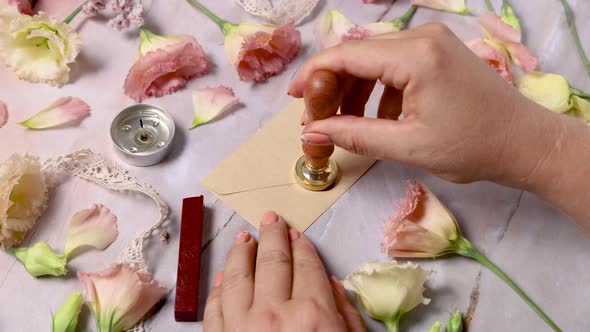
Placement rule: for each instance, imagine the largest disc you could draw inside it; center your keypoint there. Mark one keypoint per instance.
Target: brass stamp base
(316, 180)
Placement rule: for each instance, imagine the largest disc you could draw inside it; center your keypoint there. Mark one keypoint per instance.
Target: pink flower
(64, 110)
(421, 227)
(495, 55)
(95, 227)
(165, 65)
(3, 114)
(260, 51)
(120, 296)
(23, 6)
(510, 39)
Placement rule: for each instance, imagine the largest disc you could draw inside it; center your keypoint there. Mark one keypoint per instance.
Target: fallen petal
(64, 110)
(95, 227)
(497, 30)
(3, 114)
(210, 103)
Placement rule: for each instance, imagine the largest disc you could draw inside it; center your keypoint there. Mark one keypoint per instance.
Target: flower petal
(210, 103)
(3, 114)
(495, 29)
(331, 27)
(40, 260)
(264, 54)
(94, 227)
(23, 197)
(166, 69)
(23, 6)
(387, 289)
(495, 55)
(120, 296)
(522, 56)
(62, 111)
(456, 6)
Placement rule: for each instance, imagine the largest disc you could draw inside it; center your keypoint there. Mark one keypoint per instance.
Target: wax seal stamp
(315, 170)
(142, 134)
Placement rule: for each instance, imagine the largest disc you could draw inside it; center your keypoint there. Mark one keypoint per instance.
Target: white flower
(38, 48)
(23, 197)
(386, 291)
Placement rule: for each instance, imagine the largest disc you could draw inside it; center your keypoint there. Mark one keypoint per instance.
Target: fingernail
(294, 234)
(268, 218)
(218, 279)
(316, 139)
(338, 285)
(241, 237)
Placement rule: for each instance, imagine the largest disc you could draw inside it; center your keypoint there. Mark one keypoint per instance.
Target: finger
(376, 138)
(355, 100)
(309, 276)
(213, 316)
(272, 283)
(238, 277)
(352, 317)
(390, 105)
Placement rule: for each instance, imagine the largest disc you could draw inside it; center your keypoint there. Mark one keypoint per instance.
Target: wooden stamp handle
(322, 95)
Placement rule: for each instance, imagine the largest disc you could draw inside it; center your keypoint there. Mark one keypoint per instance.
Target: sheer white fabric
(283, 12)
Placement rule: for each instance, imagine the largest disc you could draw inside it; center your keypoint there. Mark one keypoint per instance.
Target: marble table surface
(532, 241)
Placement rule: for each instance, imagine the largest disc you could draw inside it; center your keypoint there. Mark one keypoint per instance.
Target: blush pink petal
(522, 56)
(59, 9)
(166, 70)
(211, 103)
(94, 227)
(421, 226)
(62, 111)
(497, 58)
(120, 296)
(264, 54)
(497, 30)
(3, 114)
(23, 6)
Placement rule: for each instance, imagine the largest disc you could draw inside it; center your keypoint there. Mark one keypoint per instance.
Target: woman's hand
(278, 285)
(460, 118)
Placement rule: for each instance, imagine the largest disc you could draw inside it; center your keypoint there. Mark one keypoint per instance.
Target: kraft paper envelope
(259, 175)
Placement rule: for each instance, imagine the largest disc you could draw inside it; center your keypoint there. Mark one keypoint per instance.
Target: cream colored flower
(548, 90)
(38, 48)
(386, 291)
(23, 197)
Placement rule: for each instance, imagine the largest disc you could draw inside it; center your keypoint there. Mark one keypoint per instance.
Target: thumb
(375, 138)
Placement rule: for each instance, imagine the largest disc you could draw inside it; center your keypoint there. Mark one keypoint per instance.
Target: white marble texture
(533, 242)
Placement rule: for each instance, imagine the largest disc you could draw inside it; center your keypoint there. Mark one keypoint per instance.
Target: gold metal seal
(315, 179)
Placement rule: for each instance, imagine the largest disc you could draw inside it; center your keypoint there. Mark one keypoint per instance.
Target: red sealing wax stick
(189, 260)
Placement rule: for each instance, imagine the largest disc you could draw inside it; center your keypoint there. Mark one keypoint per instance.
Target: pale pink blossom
(3, 114)
(64, 110)
(94, 7)
(506, 36)
(421, 227)
(23, 6)
(260, 51)
(211, 103)
(165, 65)
(95, 227)
(455, 6)
(495, 55)
(120, 296)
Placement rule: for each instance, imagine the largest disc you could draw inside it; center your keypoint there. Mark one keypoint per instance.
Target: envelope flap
(264, 160)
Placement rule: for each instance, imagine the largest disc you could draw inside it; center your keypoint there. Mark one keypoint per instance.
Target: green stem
(392, 324)
(490, 6)
(571, 25)
(75, 13)
(465, 248)
(224, 25)
(408, 15)
(580, 93)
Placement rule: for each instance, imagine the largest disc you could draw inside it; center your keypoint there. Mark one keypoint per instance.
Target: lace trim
(92, 167)
(284, 12)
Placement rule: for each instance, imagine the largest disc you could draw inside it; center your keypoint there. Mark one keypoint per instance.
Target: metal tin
(316, 179)
(142, 134)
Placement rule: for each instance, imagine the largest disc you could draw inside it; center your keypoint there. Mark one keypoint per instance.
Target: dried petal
(94, 227)
(3, 114)
(210, 103)
(455, 6)
(120, 296)
(165, 65)
(62, 111)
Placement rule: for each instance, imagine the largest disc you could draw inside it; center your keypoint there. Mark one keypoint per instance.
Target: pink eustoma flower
(421, 227)
(120, 296)
(23, 6)
(495, 55)
(165, 65)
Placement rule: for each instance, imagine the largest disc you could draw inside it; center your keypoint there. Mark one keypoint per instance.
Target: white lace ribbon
(87, 165)
(282, 13)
